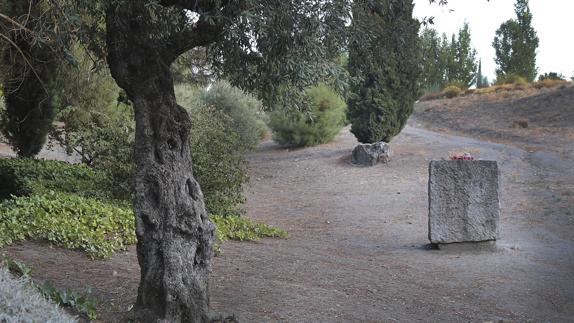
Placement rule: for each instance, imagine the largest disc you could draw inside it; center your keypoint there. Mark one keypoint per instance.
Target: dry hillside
(535, 120)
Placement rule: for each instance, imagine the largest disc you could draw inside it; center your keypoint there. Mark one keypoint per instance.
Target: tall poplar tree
(515, 44)
(465, 57)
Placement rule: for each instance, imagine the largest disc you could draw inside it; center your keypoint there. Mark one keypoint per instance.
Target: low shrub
(219, 163)
(244, 110)
(23, 177)
(325, 118)
(548, 83)
(459, 84)
(226, 124)
(521, 123)
(551, 76)
(104, 140)
(69, 221)
(451, 91)
(511, 79)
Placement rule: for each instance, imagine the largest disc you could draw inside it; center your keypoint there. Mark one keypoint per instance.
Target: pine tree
(516, 43)
(384, 63)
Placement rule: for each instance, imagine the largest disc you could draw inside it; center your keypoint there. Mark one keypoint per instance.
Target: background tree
(515, 44)
(465, 58)
(384, 63)
(432, 78)
(447, 61)
(451, 64)
(29, 69)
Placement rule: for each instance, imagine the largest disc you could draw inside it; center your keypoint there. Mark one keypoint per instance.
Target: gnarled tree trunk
(174, 234)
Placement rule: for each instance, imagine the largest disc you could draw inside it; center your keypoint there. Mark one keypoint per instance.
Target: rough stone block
(371, 154)
(464, 201)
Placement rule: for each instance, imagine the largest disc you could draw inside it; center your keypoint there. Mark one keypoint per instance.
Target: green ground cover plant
(66, 205)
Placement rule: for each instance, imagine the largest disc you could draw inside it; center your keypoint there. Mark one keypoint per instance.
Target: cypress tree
(384, 65)
(29, 111)
(479, 75)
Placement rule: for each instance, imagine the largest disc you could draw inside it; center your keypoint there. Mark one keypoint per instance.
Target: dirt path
(358, 235)
(357, 246)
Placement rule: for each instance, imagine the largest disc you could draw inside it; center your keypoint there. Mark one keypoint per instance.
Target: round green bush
(244, 110)
(322, 122)
(219, 163)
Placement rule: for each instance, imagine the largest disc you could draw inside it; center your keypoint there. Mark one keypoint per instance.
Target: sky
(552, 20)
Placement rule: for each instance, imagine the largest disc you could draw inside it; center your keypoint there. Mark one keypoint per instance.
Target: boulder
(464, 201)
(371, 154)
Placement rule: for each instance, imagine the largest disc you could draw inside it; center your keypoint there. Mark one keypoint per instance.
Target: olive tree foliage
(516, 43)
(384, 63)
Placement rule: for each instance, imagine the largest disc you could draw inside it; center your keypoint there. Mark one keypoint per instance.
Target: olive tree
(271, 46)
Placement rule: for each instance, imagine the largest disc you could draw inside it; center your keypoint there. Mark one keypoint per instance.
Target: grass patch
(243, 229)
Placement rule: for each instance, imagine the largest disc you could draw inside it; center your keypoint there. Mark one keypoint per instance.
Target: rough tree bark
(174, 234)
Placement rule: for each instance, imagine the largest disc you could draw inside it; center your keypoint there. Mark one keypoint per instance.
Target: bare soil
(357, 250)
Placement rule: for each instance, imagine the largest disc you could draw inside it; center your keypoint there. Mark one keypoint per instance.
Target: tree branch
(208, 28)
(192, 5)
(201, 34)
